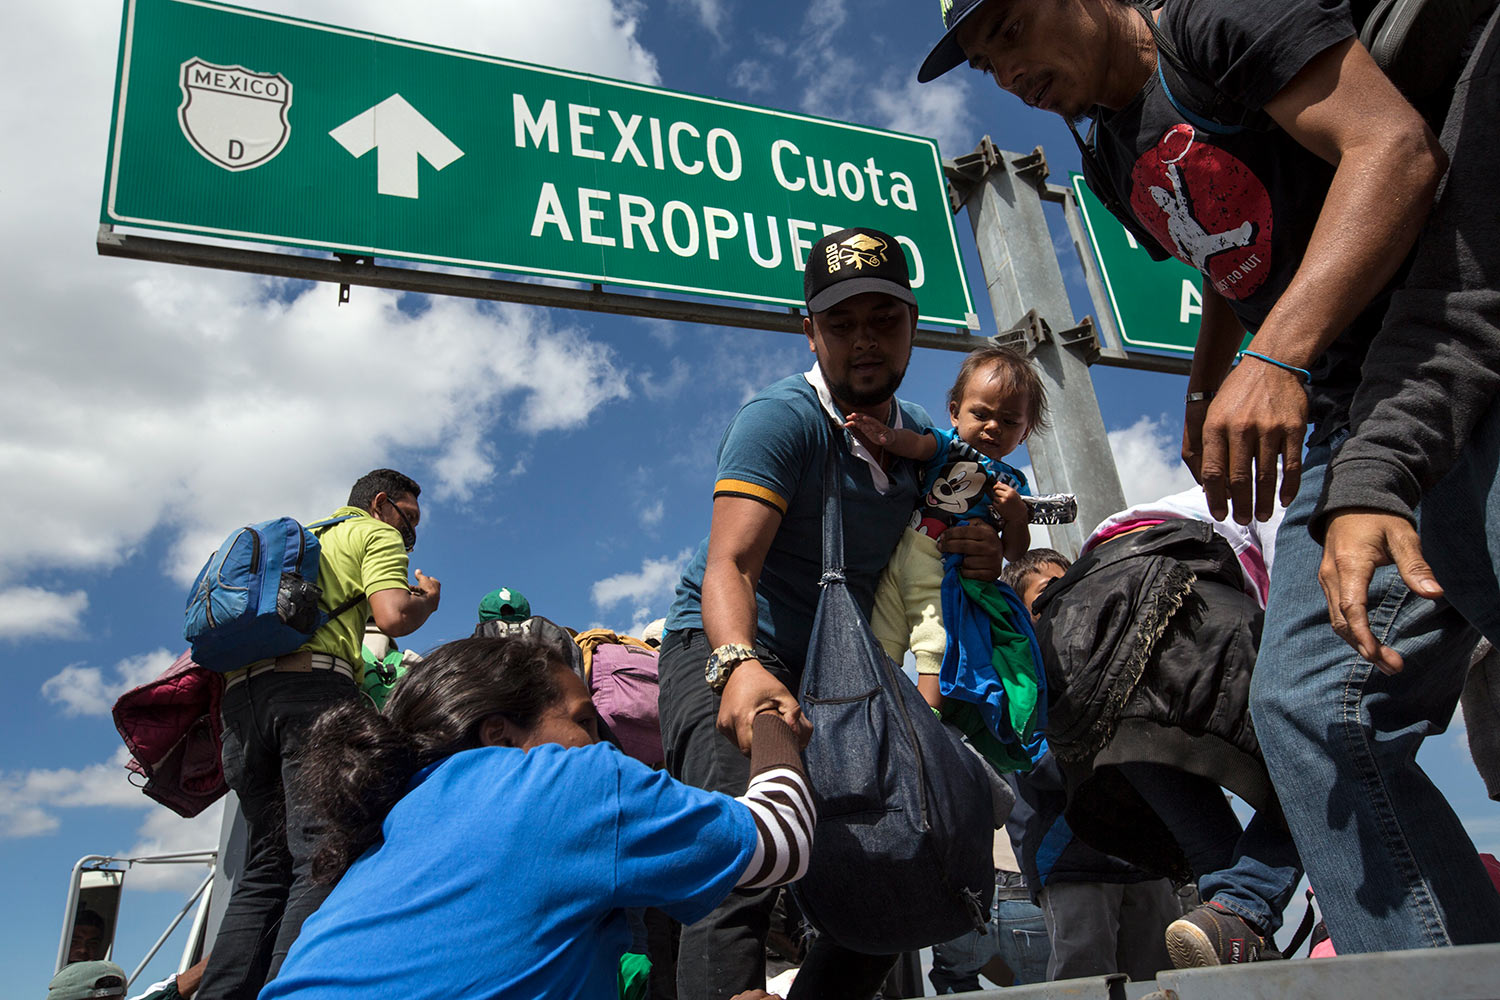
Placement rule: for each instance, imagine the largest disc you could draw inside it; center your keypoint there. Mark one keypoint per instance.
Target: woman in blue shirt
(486, 845)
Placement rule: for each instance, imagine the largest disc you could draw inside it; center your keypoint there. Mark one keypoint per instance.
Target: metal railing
(200, 897)
(1471, 972)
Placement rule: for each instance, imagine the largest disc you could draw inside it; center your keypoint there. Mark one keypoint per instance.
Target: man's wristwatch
(722, 661)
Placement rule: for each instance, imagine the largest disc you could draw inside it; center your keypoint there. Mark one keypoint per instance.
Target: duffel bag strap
(833, 519)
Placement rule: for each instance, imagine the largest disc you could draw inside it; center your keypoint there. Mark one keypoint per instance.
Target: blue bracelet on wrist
(1302, 373)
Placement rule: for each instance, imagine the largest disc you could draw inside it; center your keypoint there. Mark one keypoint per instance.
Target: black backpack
(1419, 44)
(902, 849)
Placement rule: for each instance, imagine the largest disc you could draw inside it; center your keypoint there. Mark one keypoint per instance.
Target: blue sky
(568, 455)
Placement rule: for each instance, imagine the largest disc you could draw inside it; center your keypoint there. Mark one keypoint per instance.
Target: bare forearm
(402, 613)
(1219, 336)
(930, 689)
(729, 612)
(911, 444)
(1379, 199)
(1015, 539)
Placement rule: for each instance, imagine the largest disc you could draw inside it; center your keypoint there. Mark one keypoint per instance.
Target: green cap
(505, 604)
(87, 981)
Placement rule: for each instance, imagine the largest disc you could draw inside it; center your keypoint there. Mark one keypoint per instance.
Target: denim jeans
(1391, 863)
(1250, 871)
(1017, 934)
(265, 720)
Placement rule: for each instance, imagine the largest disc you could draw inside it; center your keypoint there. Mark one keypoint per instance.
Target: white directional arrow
(399, 134)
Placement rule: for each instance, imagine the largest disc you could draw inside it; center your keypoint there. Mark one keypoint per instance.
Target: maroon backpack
(174, 732)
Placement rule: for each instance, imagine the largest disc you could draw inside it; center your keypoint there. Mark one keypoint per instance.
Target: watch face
(722, 661)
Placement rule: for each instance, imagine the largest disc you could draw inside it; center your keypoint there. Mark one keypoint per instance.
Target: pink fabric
(624, 684)
(1254, 566)
(1323, 950)
(1105, 534)
(1251, 560)
(173, 728)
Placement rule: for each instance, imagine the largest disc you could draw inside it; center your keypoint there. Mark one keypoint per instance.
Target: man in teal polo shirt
(268, 706)
(740, 625)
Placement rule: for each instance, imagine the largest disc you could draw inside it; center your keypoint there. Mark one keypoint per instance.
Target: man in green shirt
(268, 706)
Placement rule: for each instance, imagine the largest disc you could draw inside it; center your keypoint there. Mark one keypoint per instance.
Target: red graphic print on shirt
(1206, 207)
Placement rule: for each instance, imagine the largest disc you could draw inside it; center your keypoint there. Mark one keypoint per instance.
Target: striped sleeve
(781, 803)
(782, 806)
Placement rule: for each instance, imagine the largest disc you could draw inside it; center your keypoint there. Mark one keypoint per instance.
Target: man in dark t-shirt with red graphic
(1258, 141)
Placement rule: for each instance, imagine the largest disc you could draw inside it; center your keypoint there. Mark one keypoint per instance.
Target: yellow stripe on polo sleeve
(754, 491)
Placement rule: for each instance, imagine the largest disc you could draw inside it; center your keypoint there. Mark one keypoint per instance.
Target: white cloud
(165, 832)
(29, 799)
(651, 586)
(1066, 250)
(146, 396)
(639, 618)
(596, 36)
(1149, 460)
(30, 802)
(84, 690)
(753, 77)
(824, 21)
(262, 368)
(19, 819)
(32, 612)
(652, 515)
(939, 109)
(710, 13)
(666, 387)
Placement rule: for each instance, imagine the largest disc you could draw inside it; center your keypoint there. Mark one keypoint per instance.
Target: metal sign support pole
(1003, 193)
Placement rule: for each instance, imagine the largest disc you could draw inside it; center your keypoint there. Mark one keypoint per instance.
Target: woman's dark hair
(358, 762)
(1015, 370)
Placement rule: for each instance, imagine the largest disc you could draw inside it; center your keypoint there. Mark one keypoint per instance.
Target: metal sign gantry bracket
(1033, 331)
(1003, 195)
(967, 171)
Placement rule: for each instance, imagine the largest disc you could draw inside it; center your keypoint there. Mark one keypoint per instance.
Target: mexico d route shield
(235, 117)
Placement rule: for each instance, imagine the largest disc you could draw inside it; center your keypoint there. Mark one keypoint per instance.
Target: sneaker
(1209, 935)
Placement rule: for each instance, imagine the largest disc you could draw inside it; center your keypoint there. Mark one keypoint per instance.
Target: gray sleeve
(1433, 370)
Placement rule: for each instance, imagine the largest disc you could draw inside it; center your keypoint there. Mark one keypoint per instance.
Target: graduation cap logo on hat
(852, 261)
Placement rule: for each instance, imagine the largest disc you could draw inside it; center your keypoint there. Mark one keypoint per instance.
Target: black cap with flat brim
(853, 261)
(947, 53)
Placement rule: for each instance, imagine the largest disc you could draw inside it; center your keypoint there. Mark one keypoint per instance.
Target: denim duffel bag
(902, 849)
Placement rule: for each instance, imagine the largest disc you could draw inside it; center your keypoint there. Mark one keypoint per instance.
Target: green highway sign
(1156, 304)
(247, 125)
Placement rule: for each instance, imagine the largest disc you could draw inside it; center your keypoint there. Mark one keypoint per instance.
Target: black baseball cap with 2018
(852, 261)
(947, 53)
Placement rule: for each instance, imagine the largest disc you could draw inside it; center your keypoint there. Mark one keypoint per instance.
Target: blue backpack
(257, 596)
